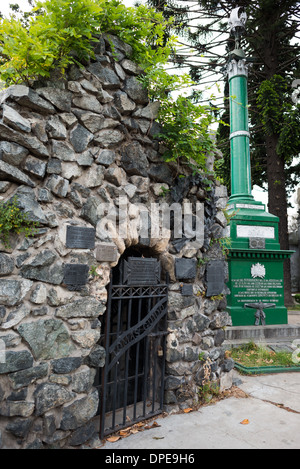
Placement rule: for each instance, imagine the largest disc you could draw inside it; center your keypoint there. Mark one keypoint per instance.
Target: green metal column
(239, 133)
(239, 139)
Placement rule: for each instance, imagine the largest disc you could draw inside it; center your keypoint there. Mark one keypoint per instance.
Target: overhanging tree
(272, 42)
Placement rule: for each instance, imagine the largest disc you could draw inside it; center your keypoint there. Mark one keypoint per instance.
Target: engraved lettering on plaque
(185, 269)
(256, 289)
(106, 253)
(215, 278)
(251, 231)
(251, 206)
(141, 271)
(80, 237)
(76, 276)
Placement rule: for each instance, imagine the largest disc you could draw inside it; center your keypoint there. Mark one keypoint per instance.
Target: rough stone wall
(69, 146)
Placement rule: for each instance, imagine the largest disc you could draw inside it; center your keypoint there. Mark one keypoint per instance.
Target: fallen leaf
(113, 439)
(244, 422)
(124, 432)
(186, 411)
(157, 437)
(155, 424)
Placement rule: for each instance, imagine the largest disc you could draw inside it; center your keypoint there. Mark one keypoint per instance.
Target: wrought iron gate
(132, 380)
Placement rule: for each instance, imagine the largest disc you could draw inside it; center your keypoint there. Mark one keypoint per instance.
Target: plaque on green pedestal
(256, 277)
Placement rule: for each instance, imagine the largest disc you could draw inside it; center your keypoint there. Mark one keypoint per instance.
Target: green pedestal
(255, 260)
(255, 263)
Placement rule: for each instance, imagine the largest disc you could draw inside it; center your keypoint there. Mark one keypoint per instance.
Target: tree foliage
(186, 131)
(272, 45)
(186, 126)
(58, 33)
(61, 32)
(271, 42)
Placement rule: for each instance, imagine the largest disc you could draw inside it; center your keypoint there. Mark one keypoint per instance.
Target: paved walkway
(270, 404)
(294, 317)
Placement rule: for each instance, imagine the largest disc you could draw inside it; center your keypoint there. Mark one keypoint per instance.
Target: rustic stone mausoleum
(110, 312)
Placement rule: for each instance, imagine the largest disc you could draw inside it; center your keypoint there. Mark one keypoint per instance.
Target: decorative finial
(237, 22)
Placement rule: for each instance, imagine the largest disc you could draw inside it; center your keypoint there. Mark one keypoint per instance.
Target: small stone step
(282, 331)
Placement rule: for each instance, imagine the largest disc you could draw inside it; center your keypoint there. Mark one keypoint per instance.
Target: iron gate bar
(127, 363)
(123, 291)
(145, 374)
(116, 369)
(142, 370)
(137, 363)
(123, 342)
(129, 424)
(104, 374)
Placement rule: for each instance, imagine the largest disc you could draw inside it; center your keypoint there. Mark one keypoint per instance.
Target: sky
(258, 193)
(4, 6)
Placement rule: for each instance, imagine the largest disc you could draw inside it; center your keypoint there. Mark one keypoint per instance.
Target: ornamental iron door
(135, 329)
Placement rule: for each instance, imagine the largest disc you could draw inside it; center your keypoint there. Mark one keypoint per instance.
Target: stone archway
(134, 330)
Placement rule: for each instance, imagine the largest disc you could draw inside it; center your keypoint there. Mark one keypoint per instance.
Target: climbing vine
(63, 32)
(14, 220)
(58, 33)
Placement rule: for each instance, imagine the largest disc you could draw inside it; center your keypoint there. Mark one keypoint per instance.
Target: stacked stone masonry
(68, 146)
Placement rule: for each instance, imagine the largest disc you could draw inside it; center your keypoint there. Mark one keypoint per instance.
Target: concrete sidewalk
(271, 405)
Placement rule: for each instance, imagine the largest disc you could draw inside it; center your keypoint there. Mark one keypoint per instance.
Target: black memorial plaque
(76, 276)
(80, 237)
(186, 289)
(185, 269)
(141, 271)
(106, 253)
(215, 278)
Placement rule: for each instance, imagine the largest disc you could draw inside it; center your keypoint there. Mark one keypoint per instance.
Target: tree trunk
(277, 195)
(278, 205)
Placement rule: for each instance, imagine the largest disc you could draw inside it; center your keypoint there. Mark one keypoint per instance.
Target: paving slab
(283, 389)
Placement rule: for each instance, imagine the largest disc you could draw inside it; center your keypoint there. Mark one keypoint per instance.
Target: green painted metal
(255, 260)
(245, 289)
(240, 149)
(263, 370)
(249, 221)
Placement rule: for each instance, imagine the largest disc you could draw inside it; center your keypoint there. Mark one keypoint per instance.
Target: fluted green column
(239, 132)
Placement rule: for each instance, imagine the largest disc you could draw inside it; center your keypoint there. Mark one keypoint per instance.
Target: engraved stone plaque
(80, 237)
(185, 269)
(141, 271)
(257, 243)
(251, 206)
(106, 252)
(75, 276)
(215, 278)
(251, 231)
(187, 289)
